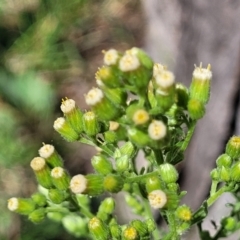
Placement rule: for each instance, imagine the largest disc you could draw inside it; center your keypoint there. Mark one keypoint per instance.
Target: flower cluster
(136, 102)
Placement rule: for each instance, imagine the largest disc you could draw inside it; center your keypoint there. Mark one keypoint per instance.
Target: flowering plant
(137, 106)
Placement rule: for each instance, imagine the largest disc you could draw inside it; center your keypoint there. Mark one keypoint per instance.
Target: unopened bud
(184, 213)
(90, 124)
(233, 147)
(98, 229)
(168, 173)
(113, 183)
(196, 108)
(21, 205)
(60, 178)
(102, 165)
(37, 215)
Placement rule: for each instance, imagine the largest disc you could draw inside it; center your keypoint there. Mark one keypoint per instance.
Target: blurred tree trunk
(183, 33)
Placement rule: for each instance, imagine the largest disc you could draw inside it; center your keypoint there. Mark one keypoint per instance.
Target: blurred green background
(50, 50)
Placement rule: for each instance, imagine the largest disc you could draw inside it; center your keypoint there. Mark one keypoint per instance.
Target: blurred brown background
(51, 50)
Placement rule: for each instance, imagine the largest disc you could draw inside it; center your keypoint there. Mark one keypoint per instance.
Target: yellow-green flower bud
(102, 165)
(150, 225)
(225, 174)
(165, 99)
(224, 160)
(64, 128)
(115, 231)
(21, 205)
(153, 183)
(215, 174)
(90, 124)
(116, 96)
(151, 96)
(94, 184)
(56, 196)
(127, 149)
(196, 109)
(73, 114)
(122, 163)
(172, 200)
(168, 173)
(229, 223)
(110, 137)
(42, 172)
(55, 216)
(182, 95)
(138, 137)
(201, 81)
(134, 203)
(37, 215)
(75, 225)
(130, 233)
(107, 206)
(113, 183)
(141, 227)
(98, 229)
(235, 172)
(39, 199)
(60, 178)
(51, 156)
(103, 107)
(157, 199)
(173, 187)
(184, 213)
(233, 147)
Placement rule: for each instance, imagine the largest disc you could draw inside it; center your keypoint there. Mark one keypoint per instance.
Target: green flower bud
(60, 178)
(51, 156)
(37, 215)
(65, 130)
(75, 225)
(172, 200)
(182, 95)
(138, 137)
(130, 233)
(113, 183)
(56, 196)
(165, 99)
(98, 229)
(55, 216)
(229, 223)
(42, 172)
(235, 172)
(115, 231)
(153, 183)
(225, 174)
(141, 227)
(215, 174)
(150, 225)
(106, 209)
(110, 137)
(200, 86)
(173, 187)
(184, 213)
(73, 114)
(21, 205)
(151, 96)
(39, 199)
(116, 96)
(102, 106)
(90, 124)
(134, 203)
(94, 184)
(233, 147)
(102, 165)
(196, 109)
(127, 149)
(224, 160)
(122, 164)
(168, 173)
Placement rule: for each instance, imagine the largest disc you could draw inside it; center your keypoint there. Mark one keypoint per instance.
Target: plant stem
(141, 177)
(213, 187)
(188, 136)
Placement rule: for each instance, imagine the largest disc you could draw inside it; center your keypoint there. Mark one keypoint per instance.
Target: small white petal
(13, 204)
(46, 151)
(202, 73)
(129, 62)
(38, 163)
(58, 123)
(94, 96)
(57, 172)
(157, 199)
(110, 57)
(157, 130)
(67, 105)
(165, 79)
(78, 184)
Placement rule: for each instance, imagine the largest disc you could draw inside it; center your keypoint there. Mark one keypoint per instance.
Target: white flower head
(165, 79)
(67, 105)
(78, 184)
(113, 126)
(141, 116)
(202, 73)
(110, 57)
(59, 123)
(157, 199)
(157, 69)
(57, 172)
(88, 116)
(38, 163)
(46, 150)
(157, 130)
(129, 62)
(13, 204)
(94, 96)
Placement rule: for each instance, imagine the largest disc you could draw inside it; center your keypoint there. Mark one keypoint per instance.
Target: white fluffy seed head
(129, 62)
(157, 69)
(38, 163)
(13, 204)
(94, 96)
(46, 151)
(68, 105)
(141, 116)
(157, 130)
(78, 184)
(165, 79)
(157, 199)
(111, 57)
(57, 172)
(202, 73)
(58, 123)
